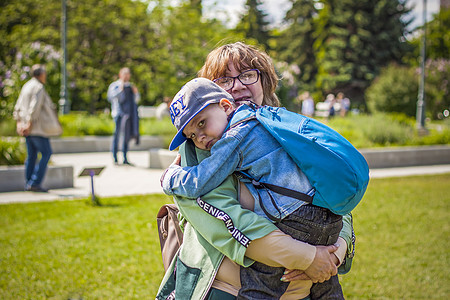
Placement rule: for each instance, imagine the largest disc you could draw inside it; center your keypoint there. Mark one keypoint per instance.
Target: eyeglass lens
(246, 78)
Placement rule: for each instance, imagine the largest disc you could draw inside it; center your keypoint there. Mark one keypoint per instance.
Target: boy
(206, 114)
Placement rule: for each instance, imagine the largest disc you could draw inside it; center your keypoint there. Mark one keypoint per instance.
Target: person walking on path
(36, 126)
(124, 96)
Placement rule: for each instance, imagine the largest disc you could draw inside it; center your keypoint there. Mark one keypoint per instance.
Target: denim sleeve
(195, 181)
(212, 229)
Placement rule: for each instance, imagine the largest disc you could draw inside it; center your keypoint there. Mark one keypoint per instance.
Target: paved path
(119, 180)
(115, 180)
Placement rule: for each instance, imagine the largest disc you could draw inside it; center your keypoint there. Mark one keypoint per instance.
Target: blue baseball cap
(193, 97)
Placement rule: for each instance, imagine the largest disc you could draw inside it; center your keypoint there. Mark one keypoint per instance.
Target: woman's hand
(293, 275)
(323, 265)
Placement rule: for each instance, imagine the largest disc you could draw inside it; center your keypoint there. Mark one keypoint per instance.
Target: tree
(438, 38)
(253, 24)
(24, 22)
(355, 39)
(295, 43)
(182, 42)
(164, 46)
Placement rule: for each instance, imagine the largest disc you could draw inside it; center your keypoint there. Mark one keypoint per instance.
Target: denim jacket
(206, 239)
(247, 146)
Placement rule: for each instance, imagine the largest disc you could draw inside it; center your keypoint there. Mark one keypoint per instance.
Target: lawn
(72, 250)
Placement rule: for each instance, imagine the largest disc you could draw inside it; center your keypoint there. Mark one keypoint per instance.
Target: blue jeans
(116, 138)
(34, 174)
(311, 224)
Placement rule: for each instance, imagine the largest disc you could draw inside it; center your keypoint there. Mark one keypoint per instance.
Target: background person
(331, 101)
(307, 104)
(344, 102)
(124, 97)
(32, 101)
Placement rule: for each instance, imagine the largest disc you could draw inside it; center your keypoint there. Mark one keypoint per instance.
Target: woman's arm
(251, 225)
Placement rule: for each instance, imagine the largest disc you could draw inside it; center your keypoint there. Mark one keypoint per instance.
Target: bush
(14, 76)
(380, 130)
(81, 124)
(8, 127)
(395, 90)
(12, 151)
(437, 90)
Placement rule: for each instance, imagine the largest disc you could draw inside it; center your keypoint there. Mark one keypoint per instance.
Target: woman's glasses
(246, 78)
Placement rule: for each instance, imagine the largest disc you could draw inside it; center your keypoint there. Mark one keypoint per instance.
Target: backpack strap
(277, 189)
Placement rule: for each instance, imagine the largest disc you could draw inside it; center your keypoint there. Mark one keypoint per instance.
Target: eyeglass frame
(258, 72)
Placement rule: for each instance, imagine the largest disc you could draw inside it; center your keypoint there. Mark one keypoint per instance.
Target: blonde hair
(243, 57)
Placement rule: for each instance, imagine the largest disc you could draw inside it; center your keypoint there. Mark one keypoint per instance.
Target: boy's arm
(224, 198)
(195, 181)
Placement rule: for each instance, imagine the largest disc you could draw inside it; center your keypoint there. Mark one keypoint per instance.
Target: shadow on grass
(96, 203)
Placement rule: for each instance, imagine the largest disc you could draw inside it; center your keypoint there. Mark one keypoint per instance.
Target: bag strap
(277, 189)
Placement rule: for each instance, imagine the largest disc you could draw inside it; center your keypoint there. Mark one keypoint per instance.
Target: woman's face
(253, 92)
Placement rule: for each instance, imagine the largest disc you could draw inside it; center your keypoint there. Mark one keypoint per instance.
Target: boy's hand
(176, 162)
(323, 265)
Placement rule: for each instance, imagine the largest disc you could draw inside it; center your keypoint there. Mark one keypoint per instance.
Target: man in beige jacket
(28, 112)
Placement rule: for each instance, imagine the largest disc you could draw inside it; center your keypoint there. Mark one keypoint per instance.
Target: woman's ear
(226, 105)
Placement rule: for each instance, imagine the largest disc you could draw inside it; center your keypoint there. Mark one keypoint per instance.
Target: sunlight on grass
(72, 250)
(402, 227)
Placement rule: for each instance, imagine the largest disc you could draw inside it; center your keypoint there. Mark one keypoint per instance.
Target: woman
(207, 265)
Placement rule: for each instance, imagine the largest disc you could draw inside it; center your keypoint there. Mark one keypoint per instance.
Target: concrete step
(376, 158)
(12, 178)
(407, 156)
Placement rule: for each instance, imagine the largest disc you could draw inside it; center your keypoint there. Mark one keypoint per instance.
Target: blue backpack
(337, 170)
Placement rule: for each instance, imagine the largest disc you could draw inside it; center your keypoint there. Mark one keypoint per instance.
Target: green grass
(403, 228)
(72, 250)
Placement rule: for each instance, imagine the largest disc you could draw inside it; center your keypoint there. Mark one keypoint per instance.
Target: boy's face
(207, 127)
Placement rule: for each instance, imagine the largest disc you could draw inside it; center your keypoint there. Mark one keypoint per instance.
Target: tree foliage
(323, 46)
(163, 45)
(355, 39)
(295, 43)
(253, 23)
(437, 38)
(395, 90)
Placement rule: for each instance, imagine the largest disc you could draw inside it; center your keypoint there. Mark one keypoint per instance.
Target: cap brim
(179, 138)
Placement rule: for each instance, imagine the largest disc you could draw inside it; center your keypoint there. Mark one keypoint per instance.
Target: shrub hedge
(363, 131)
